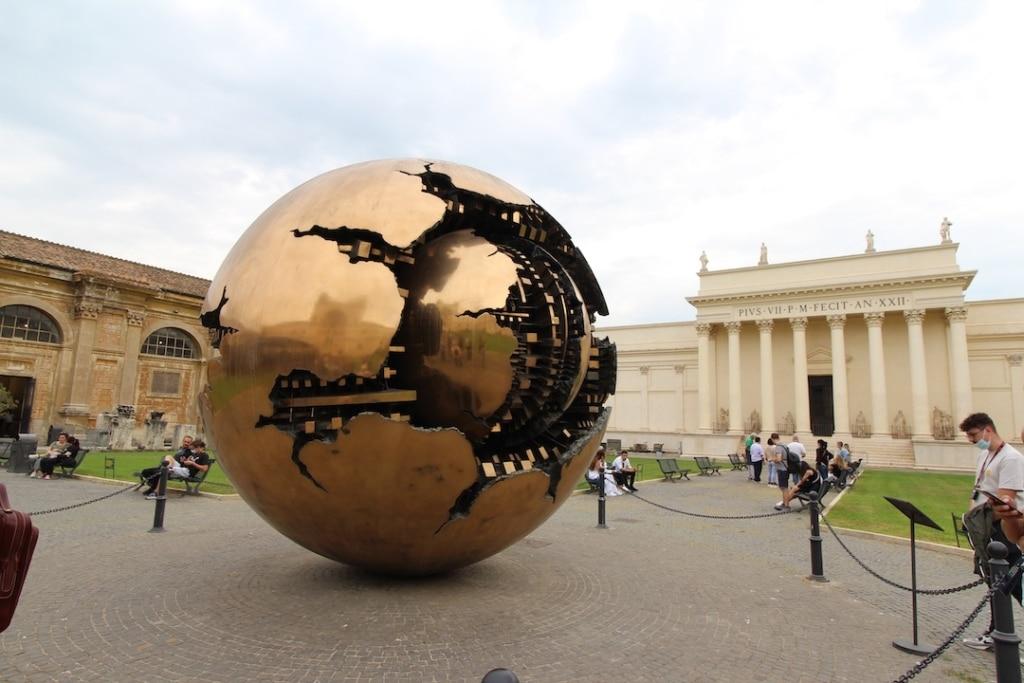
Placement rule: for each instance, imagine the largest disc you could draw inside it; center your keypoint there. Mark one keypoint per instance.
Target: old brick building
(97, 344)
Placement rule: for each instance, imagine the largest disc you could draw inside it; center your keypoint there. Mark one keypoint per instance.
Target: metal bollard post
(601, 501)
(817, 565)
(500, 676)
(161, 500)
(1006, 642)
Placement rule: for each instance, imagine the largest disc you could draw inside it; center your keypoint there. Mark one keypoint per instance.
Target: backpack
(792, 459)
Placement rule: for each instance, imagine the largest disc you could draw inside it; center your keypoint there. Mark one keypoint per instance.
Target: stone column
(86, 314)
(645, 394)
(1016, 361)
(960, 371)
(130, 370)
(876, 359)
(800, 391)
(735, 378)
(840, 397)
(703, 378)
(768, 422)
(921, 428)
(681, 372)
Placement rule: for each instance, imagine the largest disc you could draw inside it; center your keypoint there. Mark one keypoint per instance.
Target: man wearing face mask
(999, 470)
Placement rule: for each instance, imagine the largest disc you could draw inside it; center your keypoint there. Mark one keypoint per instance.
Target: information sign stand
(916, 517)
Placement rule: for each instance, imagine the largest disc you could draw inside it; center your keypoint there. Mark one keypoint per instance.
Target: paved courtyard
(657, 597)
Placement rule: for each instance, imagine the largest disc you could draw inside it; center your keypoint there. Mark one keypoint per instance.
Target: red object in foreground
(17, 542)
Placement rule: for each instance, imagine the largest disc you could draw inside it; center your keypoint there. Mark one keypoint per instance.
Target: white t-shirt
(1004, 471)
(620, 463)
(756, 452)
(797, 448)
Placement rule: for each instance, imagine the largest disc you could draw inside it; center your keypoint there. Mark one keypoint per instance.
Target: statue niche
(861, 428)
(942, 426)
(753, 425)
(900, 429)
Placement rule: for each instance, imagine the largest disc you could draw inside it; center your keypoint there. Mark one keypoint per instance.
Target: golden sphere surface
(407, 378)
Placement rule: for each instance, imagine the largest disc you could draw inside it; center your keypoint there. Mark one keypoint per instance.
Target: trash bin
(20, 450)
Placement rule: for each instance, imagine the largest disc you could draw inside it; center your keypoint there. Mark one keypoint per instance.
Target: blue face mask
(982, 444)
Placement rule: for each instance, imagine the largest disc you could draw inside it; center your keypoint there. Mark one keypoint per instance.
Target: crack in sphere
(407, 378)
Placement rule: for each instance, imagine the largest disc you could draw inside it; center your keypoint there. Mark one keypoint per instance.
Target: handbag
(17, 543)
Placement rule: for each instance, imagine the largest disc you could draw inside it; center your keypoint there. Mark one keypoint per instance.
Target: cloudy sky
(158, 131)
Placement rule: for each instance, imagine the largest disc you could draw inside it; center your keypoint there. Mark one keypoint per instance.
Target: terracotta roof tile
(44, 253)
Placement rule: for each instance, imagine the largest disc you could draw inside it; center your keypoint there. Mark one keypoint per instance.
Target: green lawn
(937, 494)
(126, 462)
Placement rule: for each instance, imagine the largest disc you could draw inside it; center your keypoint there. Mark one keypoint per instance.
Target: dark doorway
(823, 421)
(22, 389)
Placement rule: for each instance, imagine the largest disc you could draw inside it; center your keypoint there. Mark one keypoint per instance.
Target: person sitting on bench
(56, 450)
(65, 458)
(597, 472)
(623, 471)
(810, 480)
(190, 460)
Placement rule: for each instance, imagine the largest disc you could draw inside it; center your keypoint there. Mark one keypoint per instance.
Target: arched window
(168, 341)
(28, 323)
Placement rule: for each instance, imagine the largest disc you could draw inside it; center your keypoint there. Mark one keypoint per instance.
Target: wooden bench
(705, 466)
(737, 462)
(68, 470)
(823, 489)
(670, 468)
(192, 484)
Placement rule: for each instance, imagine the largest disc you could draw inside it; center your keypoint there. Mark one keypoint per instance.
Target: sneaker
(779, 506)
(151, 496)
(982, 642)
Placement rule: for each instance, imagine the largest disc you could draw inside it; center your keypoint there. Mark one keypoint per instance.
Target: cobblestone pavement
(657, 597)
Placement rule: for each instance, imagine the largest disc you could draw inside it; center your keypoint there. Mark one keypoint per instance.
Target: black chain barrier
(704, 516)
(1001, 586)
(921, 591)
(87, 502)
(923, 664)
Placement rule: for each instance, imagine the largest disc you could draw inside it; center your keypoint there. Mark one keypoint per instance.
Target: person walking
(750, 465)
(757, 457)
(999, 471)
(797, 449)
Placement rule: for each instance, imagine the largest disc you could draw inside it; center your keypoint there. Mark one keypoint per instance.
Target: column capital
(680, 369)
(88, 310)
(765, 325)
(956, 314)
(644, 369)
(1016, 359)
(733, 326)
(798, 323)
(914, 316)
(874, 319)
(704, 329)
(836, 322)
(135, 318)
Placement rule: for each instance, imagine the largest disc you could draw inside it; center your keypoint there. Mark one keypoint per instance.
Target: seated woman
(64, 458)
(56, 449)
(597, 471)
(809, 481)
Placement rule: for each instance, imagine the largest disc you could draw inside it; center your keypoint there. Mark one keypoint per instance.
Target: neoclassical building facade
(880, 348)
(106, 348)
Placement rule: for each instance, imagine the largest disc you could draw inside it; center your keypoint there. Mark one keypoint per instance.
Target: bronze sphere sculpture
(407, 379)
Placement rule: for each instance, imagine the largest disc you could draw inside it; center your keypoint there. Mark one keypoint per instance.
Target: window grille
(28, 323)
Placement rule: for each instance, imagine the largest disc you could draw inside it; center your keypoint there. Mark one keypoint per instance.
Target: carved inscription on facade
(827, 307)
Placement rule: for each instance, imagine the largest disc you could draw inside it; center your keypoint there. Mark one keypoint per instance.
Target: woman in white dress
(597, 471)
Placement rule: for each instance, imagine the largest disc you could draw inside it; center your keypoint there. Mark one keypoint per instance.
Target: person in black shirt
(151, 475)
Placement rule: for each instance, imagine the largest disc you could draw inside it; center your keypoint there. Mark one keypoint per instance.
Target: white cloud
(651, 133)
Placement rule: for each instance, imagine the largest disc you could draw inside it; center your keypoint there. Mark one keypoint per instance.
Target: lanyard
(988, 461)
